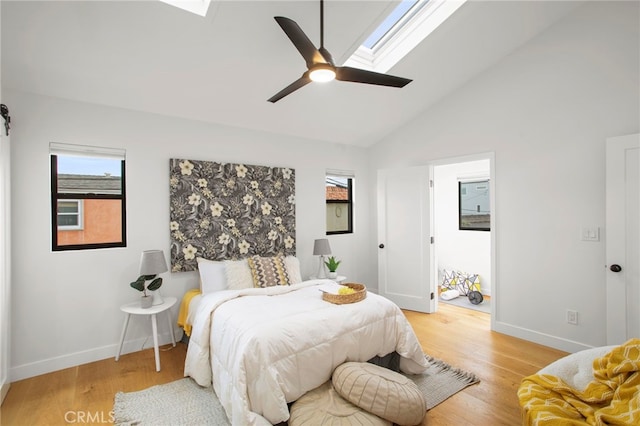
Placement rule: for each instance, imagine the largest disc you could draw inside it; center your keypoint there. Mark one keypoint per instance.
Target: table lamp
(321, 248)
(153, 262)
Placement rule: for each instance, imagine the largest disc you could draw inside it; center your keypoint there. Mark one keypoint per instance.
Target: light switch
(590, 233)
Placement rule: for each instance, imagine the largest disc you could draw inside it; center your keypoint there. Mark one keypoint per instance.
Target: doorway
(405, 253)
(462, 230)
(408, 272)
(622, 238)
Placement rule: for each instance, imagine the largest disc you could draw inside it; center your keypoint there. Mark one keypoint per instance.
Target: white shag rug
(184, 402)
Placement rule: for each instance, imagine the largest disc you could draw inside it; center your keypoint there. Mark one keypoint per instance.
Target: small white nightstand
(339, 279)
(135, 309)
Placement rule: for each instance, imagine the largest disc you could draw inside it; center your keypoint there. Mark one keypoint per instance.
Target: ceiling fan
(320, 66)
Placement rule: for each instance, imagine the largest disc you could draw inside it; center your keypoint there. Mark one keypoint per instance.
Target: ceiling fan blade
(302, 81)
(364, 76)
(300, 40)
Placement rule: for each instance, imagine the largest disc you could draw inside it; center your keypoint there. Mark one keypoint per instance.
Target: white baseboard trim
(540, 338)
(37, 368)
(3, 391)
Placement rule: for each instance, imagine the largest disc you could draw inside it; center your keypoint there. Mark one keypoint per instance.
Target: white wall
(66, 304)
(465, 251)
(545, 111)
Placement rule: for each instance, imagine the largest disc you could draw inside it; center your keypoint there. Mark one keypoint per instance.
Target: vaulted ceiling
(222, 68)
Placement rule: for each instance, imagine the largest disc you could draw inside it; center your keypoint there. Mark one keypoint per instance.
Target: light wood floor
(461, 337)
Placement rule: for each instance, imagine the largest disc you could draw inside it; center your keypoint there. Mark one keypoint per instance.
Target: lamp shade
(321, 247)
(153, 262)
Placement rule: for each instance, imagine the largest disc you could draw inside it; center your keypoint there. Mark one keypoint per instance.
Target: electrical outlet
(572, 316)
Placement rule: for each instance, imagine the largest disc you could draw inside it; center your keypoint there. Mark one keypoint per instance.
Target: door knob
(615, 268)
(381, 245)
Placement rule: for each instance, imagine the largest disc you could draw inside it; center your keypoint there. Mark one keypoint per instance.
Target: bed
(263, 348)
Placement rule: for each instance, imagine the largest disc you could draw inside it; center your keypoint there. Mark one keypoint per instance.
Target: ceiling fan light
(322, 73)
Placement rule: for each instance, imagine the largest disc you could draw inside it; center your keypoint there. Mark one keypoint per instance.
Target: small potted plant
(332, 265)
(141, 285)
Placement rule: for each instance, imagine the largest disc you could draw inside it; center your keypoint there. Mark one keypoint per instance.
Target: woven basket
(341, 299)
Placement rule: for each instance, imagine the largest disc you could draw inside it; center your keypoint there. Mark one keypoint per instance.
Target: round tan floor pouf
(323, 406)
(380, 391)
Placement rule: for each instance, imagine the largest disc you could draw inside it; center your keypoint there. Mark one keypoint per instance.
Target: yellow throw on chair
(613, 397)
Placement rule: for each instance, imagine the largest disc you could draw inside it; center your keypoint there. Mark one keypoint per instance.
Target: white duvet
(266, 347)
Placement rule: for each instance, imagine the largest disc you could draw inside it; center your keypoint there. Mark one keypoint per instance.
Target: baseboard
(33, 369)
(3, 391)
(540, 338)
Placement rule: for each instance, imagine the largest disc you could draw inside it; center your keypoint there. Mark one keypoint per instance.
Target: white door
(5, 259)
(405, 255)
(622, 238)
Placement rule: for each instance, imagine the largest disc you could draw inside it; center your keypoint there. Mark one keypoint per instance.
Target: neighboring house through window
(474, 213)
(339, 201)
(87, 197)
(69, 215)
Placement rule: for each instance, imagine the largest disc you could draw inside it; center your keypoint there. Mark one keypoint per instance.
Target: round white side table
(339, 279)
(134, 308)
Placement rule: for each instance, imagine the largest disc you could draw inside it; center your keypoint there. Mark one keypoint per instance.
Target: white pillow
(293, 269)
(449, 294)
(576, 369)
(238, 274)
(212, 275)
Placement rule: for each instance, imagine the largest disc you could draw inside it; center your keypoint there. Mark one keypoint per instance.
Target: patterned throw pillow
(466, 283)
(268, 271)
(448, 279)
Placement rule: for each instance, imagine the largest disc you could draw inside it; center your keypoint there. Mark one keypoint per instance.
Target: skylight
(199, 7)
(389, 22)
(405, 27)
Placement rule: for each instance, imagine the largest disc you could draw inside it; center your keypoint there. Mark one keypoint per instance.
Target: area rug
(184, 402)
(464, 302)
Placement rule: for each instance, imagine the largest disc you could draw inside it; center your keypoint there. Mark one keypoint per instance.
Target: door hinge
(432, 240)
(430, 183)
(432, 296)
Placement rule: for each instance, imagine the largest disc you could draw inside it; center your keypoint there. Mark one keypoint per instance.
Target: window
(69, 214)
(339, 200)
(87, 197)
(199, 7)
(391, 23)
(474, 206)
(410, 22)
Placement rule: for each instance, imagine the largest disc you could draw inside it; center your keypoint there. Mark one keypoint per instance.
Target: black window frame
(55, 196)
(471, 228)
(349, 229)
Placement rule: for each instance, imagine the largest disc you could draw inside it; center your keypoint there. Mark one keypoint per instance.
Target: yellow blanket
(184, 310)
(612, 398)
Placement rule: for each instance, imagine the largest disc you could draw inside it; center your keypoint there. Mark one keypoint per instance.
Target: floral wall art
(224, 211)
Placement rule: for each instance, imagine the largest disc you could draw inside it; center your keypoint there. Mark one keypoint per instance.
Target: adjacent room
(184, 201)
